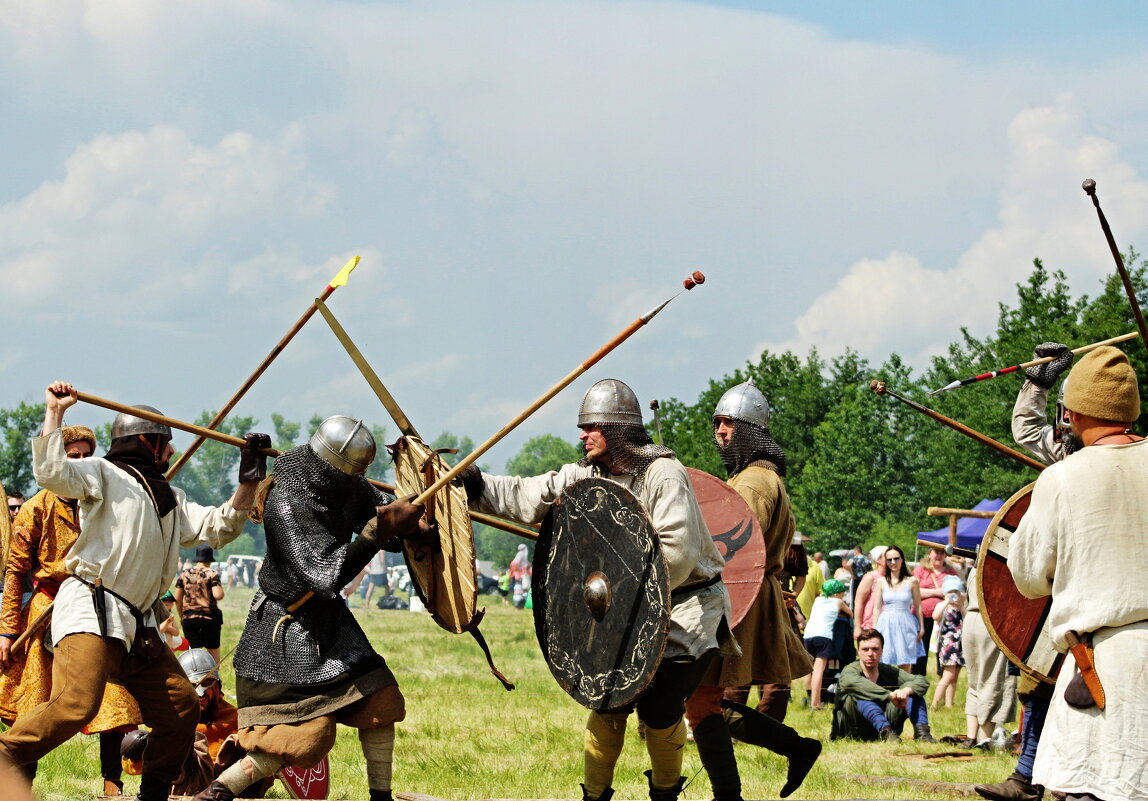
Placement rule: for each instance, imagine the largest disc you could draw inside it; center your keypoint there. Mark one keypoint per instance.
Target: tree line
(862, 469)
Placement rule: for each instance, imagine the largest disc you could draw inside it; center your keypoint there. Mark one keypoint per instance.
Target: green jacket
(852, 686)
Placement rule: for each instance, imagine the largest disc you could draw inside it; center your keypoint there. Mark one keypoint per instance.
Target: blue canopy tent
(970, 530)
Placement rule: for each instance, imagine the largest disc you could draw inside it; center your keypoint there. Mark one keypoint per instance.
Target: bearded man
(124, 559)
(619, 448)
(1084, 512)
(303, 663)
(771, 652)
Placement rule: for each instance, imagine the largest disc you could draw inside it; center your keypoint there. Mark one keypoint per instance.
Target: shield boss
(601, 594)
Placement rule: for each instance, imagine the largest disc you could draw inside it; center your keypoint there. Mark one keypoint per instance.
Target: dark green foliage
(17, 427)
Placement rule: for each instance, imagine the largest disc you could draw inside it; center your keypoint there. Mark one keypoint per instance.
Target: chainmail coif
(751, 443)
(312, 513)
(631, 449)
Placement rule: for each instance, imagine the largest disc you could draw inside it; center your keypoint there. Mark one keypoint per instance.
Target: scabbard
(1082, 653)
(101, 602)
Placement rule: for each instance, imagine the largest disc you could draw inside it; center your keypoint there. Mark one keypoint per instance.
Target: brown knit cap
(1103, 385)
(77, 434)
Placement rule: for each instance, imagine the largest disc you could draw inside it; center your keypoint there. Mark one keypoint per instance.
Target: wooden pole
(339, 280)
(944, 511)
(446, 478)
(227, 439)
(34, 626)
(881, 389)
(1089, 187)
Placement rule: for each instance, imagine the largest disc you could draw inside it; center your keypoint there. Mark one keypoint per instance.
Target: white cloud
(147, 210)
(897, 303)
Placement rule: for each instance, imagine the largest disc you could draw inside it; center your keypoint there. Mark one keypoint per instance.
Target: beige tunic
(668, 497)
(771, 651)
(123, 541)
(991, 694)
(1088, 513)
(1030, 426)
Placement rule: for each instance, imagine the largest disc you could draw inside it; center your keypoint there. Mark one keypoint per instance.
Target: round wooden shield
(1016, 623)
(307, 782)
(443, 572)
(601, 594)
(738, 536)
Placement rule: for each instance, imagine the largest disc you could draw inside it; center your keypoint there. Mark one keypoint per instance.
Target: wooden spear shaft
(1089, 187)
(227, 439)
(339, 280)
(695, 279)
(881, 389)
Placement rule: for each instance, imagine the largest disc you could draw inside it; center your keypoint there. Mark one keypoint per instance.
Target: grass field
(465, 737)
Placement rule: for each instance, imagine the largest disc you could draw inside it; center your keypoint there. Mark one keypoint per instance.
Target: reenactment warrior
(42, 534)
(771, 652)
(619, 448)
(303, 667)
(1083, 511)
(124, 559)
(1049, 443)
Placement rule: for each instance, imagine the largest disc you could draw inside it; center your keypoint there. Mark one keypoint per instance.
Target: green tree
(17, 427)
(286, 432)
(542, 454)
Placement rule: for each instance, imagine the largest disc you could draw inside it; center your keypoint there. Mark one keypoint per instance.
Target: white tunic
(668, 497)
(123, 542)
(1088, 515)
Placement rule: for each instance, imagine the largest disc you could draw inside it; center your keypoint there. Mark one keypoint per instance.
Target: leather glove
(253, 465)
(1045, 375)
(472, 482)
(400, 519)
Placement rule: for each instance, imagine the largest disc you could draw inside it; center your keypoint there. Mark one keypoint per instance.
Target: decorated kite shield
(1016, 623)
(601, 594)
(738, 536)
(312, 782)
(442, 570)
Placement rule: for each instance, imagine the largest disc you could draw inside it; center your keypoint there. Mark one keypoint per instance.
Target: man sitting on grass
(874, 699)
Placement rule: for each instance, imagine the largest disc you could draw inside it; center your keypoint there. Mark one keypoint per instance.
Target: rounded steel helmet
(345, 443)
(609, 401)
(128, 425)
(198, 663)
(744, 402)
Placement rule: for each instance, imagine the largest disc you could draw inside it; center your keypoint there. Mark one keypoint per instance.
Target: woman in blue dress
(898, 611)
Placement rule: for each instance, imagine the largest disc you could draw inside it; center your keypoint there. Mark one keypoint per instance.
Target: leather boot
(922, 733)
(112, 788)
(668, 794)
(1014, 788)
(715, 749)
(216, 791)
(380, 795)
(153, 789)
(888, 735)
(607, 794)
(753, 727)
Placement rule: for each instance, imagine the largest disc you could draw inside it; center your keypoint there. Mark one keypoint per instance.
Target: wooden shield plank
(738, 536)
(307, 782)
(443, 572)
(601, 594)
(1016, 623)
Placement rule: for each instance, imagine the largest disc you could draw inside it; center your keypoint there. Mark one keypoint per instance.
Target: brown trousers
(83, 664)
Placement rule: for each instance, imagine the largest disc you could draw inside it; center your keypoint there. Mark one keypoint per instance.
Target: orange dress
(42, 533)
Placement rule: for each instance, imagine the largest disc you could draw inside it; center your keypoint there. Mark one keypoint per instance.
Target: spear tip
(953, 385)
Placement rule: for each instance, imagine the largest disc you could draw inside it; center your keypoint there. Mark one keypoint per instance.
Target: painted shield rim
(984, 553)
(581, 690)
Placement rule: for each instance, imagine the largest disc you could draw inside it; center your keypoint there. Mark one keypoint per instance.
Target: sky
(522, 179)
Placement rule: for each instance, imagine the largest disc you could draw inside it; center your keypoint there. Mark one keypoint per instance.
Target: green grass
(467, 738)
